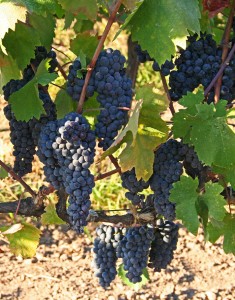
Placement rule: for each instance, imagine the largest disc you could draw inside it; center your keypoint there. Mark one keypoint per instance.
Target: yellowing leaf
(50, 216)
(25, 241)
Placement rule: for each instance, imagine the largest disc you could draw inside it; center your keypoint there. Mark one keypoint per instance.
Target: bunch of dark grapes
(67, 149)
(105, 257)
(48, 136)
(197, 64)
(20, 133)
(21, 139)
(76, 81)
(163, 245)
(167, 169)
(134, 186)
(114, 90)
(134, 251)
(24, 134)
(143, 56)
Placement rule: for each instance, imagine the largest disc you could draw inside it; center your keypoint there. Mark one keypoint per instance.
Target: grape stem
(165, 86)
(221, 70)
(107, 174)
(18, 178)
(225, 42)
(91, 66)
(60, 68)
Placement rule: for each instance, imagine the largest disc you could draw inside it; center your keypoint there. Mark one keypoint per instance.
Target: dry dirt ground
(61, 270)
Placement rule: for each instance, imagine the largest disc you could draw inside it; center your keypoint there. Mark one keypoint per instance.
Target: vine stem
(62, 71)
(221, 70)
(164, 83)
(107, 174)
(96, 54)
(18, 178)
(225, 42)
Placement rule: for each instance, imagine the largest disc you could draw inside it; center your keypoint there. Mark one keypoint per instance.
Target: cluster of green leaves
(206, 128)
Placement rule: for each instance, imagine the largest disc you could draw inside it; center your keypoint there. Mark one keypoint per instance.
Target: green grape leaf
(20, 44)
(184, 195)
(9, 15)
(153, 105)
(87, 7)
(84, 42)
(45, 27)
(212, 233)
(125, 280)
(42, 76)
(82, 24)
(25, 241)
(40, 6)
(91, 109)
(214, 201)
(207, 130)
(64, 104)
(8, 69)
(229, 234)
(50, 216)
(227, 173)
(3, 173)
(166, 25)
(26, 103)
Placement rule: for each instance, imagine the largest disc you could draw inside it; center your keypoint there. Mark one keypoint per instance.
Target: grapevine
(171, 171)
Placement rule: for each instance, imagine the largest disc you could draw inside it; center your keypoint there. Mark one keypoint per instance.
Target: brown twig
(19, 179)
(225, 42)
(25, 207)
(60, 87)
(62, 71)
(133, 63)
(128, 219)
(96, 54)
(164, 83)
(107, 174)
(221, 70)
(115, 163)
(62, 52)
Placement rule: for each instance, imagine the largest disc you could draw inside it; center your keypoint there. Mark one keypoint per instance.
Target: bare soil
(61, 270)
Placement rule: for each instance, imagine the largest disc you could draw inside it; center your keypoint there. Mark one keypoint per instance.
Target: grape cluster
(134, 251)
(114, 90)
(76, 81)
(134, 186)
(196, 65)
(167, 169)
(143, 56)
(20, 133)
(21, 138)
(163, 245)
(105, 257)
(24, 135)
(67, 149)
